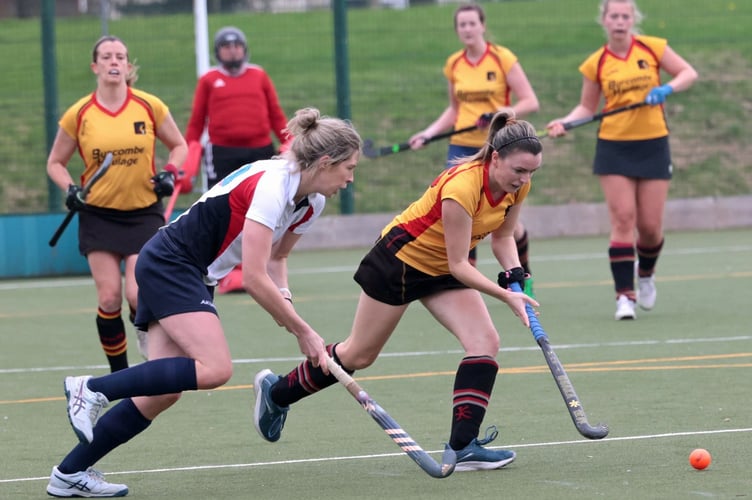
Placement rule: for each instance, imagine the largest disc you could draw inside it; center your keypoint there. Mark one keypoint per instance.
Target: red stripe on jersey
(305, 218)
(240, 200)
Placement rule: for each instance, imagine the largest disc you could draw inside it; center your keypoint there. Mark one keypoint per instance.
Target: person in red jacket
(237, 103)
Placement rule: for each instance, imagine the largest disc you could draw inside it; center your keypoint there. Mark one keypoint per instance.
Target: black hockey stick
(371, 152)
(576, 411)
(84, 192)
(596, 117)
(393, 429)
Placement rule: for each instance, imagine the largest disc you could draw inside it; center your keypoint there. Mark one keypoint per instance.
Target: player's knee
(215, 376)
(359, 362)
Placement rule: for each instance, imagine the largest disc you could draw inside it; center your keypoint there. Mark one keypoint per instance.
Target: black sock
(303, 381)
(648, 256)
(622, 259)
(473, 385)
(116, 427)
(522, 248)
(112, 337)
(152, 378)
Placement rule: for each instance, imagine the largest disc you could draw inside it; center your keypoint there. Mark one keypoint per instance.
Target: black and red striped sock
(621, 256)
(112, 337)
(304, 380)
(473, 385)
(647, 257)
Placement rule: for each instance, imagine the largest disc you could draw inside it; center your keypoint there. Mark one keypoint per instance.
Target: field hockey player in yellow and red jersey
(632, 155)
(124, 208)
(422, 255)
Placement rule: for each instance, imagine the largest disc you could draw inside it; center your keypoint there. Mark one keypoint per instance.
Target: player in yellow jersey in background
(632, 156)
(482, 79)
(124, 208)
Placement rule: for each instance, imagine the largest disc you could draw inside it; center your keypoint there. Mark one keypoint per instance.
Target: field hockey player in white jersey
(254, 216)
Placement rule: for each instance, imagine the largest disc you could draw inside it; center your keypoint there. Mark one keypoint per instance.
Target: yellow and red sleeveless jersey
(479, 88)
(626, 80)
(130, 134)
(419, 229)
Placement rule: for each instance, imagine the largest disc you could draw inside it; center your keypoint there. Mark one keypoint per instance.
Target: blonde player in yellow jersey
(124, 208)
(632, 156)
(422, 255)
(482, 78)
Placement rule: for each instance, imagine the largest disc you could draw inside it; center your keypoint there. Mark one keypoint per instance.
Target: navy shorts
(385, 278)
(168, 283)
(649, 159)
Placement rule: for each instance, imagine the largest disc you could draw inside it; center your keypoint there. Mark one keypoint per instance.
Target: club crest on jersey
(643, 64)
(139, 128)
(491, 76)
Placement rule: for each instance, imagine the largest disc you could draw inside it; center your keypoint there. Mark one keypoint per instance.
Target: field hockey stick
(84, 193)
(371, 152)
(576, 411)
(596, 117)
(393, 429)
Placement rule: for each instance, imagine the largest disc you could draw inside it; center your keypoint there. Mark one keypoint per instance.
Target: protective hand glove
(164, 182)
(514, 275)
(658, 95)
(74, 200)
(485, 120)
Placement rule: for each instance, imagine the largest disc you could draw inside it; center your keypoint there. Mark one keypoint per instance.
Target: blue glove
(658, 95)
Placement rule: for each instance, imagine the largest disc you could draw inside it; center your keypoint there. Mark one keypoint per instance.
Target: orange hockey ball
(699, 459)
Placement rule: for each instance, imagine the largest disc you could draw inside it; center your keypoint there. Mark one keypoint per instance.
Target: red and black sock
(647, 257)
(112, 337)
(522, 247)
(473, 385)
(304, 380)
(622, 258)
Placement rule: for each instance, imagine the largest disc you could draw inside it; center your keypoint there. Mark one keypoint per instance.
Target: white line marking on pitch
(559, 347)
(397, 454)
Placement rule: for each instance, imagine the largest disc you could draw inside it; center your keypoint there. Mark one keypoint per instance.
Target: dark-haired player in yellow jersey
(422, 255)
(482, 77)
(123, 210)
(632, 156)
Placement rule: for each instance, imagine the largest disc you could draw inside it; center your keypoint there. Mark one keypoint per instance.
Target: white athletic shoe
(84, 407)
(624, 308)
(646, 292)
(87, 484)
(142, 341)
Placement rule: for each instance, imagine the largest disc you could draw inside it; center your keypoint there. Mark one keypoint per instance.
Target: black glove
(516, 274)
(74, 199)
(164, 183)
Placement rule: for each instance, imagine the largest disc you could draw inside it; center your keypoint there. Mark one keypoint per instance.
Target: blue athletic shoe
(268, 417)
(475, 457)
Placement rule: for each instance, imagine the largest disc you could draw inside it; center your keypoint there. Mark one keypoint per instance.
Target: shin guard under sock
(116, 427)
(647, 257)
(152, 378)
(473, 385)
(112, 337)
(303, 381)
(622, 258)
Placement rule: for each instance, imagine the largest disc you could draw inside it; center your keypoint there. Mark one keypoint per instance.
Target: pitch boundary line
(193, 468)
